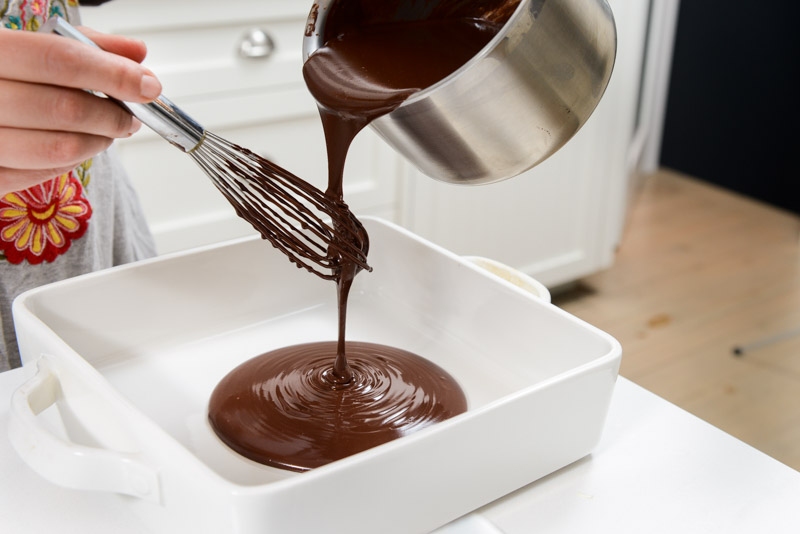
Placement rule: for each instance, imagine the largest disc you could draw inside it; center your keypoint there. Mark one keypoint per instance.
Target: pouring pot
(511, 106)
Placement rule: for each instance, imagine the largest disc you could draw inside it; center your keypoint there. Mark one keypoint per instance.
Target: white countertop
(656, 469)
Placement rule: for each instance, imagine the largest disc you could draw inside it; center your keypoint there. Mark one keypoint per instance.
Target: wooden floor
(701, 271)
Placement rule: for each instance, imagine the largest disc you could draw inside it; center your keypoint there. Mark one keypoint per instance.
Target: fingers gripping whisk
(316, 231)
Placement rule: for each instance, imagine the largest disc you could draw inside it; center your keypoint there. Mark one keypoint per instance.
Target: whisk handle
(169, 121)
(161, 115)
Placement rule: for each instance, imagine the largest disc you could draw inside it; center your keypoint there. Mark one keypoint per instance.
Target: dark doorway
(732, 111)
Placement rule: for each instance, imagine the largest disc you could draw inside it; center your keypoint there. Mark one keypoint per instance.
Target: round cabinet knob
(256, 44)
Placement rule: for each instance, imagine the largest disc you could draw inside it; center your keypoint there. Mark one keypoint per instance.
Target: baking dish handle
(67, 463)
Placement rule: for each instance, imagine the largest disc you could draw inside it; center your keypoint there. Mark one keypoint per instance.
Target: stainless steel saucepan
(515, 103)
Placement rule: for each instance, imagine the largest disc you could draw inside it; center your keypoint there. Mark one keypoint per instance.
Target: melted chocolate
(304, 406)
(376, 54)
(287, 410)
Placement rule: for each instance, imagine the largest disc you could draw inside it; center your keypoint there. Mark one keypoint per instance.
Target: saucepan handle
(64, 462)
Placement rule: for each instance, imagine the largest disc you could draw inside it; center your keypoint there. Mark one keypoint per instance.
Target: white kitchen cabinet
(559, 221)
(562, 219)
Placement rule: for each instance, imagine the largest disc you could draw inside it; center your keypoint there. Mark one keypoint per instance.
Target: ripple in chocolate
(286, 410)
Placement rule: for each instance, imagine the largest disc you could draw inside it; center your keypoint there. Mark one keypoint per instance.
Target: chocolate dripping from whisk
(282, 207)
(286, 210)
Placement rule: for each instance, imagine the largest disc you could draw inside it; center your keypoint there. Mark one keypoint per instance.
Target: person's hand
(48, 123)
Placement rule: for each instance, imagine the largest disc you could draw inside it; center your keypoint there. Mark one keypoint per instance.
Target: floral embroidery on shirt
(31, 14)
(40, 223)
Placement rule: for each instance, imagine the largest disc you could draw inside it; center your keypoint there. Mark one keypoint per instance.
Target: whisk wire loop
(314, 230)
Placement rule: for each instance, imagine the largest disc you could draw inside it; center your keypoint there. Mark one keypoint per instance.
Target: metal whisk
(316, 231)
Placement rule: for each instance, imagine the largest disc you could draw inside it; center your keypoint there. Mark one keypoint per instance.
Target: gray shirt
(116, 233)
(87, 220)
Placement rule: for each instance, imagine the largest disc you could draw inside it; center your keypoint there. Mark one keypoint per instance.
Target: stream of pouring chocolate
(290, 408)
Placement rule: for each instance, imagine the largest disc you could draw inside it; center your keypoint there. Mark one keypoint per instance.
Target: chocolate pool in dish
(286, 410)
(304, 406)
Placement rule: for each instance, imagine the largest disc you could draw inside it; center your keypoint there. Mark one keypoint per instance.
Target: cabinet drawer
(124, 15)
(203, 57)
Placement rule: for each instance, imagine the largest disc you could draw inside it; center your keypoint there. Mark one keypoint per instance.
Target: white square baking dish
(123, 362)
